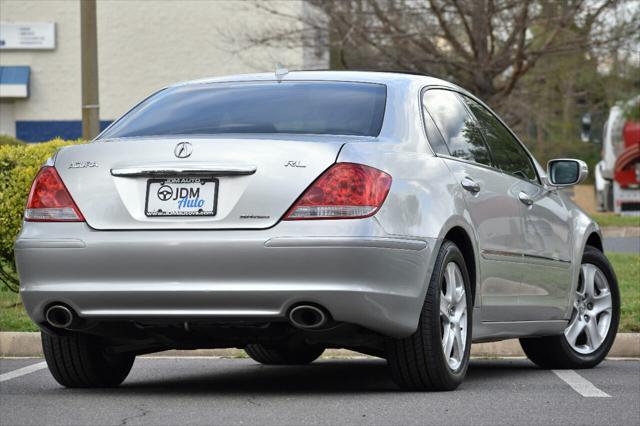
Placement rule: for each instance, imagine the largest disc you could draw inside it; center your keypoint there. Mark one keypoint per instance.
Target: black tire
(418, 362)
(80, 361)
(600, 202)
(296, 355)
(608, 200)
(555, 351)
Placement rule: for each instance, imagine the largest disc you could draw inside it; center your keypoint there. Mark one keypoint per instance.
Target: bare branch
(488, 46)
(451, 39)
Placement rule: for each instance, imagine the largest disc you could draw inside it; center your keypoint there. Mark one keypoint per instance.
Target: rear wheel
(82, 361)
(436, 355)
(594, 321)
(608, 200)
(286, 355)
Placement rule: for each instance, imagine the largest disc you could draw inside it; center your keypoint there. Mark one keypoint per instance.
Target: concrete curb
(627, 345)
(620, 231)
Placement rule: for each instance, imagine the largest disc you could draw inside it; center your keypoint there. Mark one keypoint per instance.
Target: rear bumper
(627, 200)
(367, 278)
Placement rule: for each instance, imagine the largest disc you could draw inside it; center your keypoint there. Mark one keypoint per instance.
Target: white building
(143, 45)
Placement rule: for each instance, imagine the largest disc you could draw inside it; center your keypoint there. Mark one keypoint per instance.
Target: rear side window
(507, 152)
(335, 108)
(460, 131)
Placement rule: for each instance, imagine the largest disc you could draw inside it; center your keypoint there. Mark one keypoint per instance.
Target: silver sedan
(391, 214)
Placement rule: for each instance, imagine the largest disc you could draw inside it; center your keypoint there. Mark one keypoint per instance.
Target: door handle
(525, 199)
(470, 185)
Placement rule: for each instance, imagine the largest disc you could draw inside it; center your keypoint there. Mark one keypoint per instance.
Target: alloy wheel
(453, 316)
(592, 311)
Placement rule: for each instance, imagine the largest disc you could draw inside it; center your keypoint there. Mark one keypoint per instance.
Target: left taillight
(49, 200)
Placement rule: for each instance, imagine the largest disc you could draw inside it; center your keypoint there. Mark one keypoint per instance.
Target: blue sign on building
(45, 130)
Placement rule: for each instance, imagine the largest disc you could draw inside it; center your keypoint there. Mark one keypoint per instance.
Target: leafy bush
(632, 109)
(19, 164)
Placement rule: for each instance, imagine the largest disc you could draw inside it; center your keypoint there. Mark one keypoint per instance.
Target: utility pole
(89, 58)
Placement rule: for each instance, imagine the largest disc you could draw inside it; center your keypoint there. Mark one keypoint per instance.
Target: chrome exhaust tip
(59, 316)
(308, 317)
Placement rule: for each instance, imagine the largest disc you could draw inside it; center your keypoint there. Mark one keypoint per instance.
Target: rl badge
(181, 197)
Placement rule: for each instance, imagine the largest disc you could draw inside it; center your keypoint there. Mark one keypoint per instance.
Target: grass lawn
(616, 220)
(627, 267)
(12, 314)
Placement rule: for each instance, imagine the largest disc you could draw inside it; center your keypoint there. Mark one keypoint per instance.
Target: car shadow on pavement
(363, 375)
(326, 376)
(481, 370)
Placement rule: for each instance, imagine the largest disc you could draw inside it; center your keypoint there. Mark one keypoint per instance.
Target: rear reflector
(49, 200)
(344, 191)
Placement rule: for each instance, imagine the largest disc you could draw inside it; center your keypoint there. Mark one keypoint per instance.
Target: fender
(583, 227)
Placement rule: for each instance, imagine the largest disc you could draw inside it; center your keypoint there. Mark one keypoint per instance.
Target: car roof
(380, 77)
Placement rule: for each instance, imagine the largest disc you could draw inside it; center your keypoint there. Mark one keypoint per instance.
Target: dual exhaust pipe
(305, 317)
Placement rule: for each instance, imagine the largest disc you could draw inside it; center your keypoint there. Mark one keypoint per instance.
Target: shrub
(632, 109)
(19, 164)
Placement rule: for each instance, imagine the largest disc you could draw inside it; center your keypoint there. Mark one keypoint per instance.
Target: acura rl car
(391, 214)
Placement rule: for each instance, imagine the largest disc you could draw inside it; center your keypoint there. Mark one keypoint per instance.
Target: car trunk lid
(245, 182)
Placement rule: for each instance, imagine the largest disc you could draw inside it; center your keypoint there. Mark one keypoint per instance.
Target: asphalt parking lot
(341, 391)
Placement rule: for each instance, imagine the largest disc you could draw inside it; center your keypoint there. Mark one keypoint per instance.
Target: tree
(486, 46)
(539, 63)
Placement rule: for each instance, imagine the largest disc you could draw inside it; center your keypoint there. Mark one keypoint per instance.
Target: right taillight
(344, 191)
(49, 200)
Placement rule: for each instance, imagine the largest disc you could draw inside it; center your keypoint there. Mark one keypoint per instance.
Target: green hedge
(19, 164)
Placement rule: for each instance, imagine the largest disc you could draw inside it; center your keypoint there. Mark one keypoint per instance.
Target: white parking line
(22, 371)
(580, 384)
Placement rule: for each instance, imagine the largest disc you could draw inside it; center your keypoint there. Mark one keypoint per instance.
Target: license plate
(181, 197)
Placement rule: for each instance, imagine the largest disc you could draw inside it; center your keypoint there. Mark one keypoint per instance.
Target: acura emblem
(183, 150)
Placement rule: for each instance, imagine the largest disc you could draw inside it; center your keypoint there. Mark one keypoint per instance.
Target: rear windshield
(334, 108)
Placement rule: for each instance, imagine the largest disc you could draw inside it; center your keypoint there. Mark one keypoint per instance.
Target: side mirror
(566, 172)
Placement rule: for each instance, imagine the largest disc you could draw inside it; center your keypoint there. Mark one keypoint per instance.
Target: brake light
(344, 191)
(49, 200)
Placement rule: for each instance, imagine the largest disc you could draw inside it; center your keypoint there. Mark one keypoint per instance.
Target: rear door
(492, 205)
(546, 281)
(223, 182)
